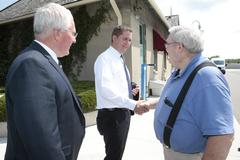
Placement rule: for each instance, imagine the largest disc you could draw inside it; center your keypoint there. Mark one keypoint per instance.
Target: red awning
(158, 42)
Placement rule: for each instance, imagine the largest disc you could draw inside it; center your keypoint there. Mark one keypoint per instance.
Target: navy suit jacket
(44, 116)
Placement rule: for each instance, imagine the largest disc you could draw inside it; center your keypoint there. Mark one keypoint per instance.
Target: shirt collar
(114, 52)
(49, 50)
(196, 60)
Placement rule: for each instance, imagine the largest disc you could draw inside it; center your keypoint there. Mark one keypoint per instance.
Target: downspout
(117, 11)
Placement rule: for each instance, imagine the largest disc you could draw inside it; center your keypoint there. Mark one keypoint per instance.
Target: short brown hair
(117, 31)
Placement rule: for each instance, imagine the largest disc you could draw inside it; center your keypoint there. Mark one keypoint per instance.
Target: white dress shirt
(110, 81)
(49, 50)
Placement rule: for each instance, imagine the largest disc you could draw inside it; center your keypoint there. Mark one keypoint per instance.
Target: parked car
(220, 63)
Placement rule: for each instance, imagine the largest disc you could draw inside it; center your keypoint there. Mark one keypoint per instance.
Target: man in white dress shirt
(114, 103)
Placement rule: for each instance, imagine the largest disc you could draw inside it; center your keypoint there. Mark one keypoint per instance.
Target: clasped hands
(143, 106)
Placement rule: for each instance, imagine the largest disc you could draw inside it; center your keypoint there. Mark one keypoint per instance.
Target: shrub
(88, 100)
(2, 90)
(82, 86)
(86, 91)
(2, 109)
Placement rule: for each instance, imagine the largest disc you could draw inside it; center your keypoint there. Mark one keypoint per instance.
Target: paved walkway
(141, 144)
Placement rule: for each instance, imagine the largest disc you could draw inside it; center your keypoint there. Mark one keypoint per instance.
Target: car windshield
(219, 62)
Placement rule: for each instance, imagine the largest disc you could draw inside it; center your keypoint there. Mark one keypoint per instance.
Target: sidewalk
(141, 144)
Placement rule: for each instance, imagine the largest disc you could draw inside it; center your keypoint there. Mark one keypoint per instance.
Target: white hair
(51, 16)
(191, 39)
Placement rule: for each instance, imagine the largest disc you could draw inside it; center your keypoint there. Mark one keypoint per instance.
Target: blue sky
(5, 3)
(219, 20)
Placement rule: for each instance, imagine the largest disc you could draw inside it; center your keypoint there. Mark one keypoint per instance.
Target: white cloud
(218, 18)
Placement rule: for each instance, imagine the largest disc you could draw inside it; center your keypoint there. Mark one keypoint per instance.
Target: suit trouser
(170, 154)
(114, 126)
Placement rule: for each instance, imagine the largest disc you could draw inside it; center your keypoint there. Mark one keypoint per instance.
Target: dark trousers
(114, 126)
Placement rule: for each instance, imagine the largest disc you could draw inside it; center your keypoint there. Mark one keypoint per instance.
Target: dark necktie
(127, 78)
(60, 64)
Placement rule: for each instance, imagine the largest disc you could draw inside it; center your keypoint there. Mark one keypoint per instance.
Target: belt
(167, 148)
(113, 109)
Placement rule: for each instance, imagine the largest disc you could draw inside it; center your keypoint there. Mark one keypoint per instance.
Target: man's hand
(150, 104)
(140, 109)
(135, 91)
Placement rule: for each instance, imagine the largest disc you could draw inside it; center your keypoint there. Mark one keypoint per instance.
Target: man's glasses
(170, 43)
(74, 34)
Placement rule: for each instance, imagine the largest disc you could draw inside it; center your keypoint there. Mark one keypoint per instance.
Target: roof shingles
(26, 7)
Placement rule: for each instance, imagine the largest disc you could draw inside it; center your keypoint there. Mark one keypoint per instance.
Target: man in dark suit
(44, 116)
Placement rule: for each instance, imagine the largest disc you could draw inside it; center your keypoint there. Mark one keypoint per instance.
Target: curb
(3, 129)
(90, 118)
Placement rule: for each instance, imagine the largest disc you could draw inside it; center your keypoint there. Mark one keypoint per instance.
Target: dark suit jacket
(44, 116)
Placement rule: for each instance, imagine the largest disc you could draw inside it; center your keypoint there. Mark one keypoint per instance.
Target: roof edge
(67, 5)
(158, 11)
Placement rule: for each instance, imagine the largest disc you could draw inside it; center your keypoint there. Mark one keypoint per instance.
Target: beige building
(150, 29)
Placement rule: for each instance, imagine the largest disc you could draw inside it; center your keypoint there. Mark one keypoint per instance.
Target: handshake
(144, 106)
